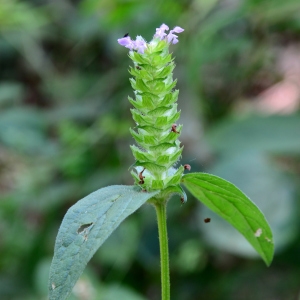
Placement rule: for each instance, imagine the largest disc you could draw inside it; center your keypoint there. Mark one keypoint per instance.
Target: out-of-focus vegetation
(64, 119)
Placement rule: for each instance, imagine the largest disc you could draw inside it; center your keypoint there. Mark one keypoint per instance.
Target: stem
(161, 207)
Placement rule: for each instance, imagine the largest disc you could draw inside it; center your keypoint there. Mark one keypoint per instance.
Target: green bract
(155, 113)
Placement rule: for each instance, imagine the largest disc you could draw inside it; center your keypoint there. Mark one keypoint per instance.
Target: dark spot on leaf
(207, 220)
(115, 199)
(83, 228)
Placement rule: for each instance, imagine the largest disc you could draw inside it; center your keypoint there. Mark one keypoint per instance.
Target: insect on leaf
(231, 204)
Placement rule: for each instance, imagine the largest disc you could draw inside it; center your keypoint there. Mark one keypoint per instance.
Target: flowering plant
(89, 222)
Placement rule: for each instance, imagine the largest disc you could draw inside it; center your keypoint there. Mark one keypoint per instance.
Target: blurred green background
(64, 119)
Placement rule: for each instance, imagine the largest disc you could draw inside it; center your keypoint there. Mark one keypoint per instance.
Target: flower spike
(155, 112)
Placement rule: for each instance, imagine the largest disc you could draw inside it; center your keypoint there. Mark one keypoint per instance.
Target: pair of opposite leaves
(89, 222)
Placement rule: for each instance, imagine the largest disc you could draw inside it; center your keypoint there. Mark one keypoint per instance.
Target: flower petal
(140, 44)
(127, 42)
(160, 32)
(177, 29)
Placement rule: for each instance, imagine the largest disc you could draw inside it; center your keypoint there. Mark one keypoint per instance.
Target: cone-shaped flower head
(155, 112)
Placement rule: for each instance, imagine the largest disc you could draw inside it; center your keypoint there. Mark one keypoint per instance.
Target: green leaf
(274, 134)
(258, 176)
(230, 203)
(85, 227)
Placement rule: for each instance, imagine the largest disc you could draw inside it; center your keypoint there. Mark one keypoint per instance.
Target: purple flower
(160, 32)
(127, 42)
(177, 29)
(140, 44)
(173, 38)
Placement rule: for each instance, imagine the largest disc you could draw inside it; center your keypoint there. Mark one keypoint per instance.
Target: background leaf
(86, 225)
(274, 134)
(231, 204)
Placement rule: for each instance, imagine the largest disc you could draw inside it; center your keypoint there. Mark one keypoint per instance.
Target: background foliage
(64, 119)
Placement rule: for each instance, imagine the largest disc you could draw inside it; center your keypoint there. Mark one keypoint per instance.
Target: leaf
(263, 181)
(230, 203)
(275, 134)
(85, 227)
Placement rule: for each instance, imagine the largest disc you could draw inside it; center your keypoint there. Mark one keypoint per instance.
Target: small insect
(126, 34)
(173, 129)
(207, 220)
(141, 177)
(187, 167)
(182, 200)
(138, 67)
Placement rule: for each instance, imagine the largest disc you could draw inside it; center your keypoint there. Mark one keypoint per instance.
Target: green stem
(161, 214)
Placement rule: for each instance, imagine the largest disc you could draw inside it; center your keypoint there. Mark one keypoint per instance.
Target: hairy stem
(161, 208)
